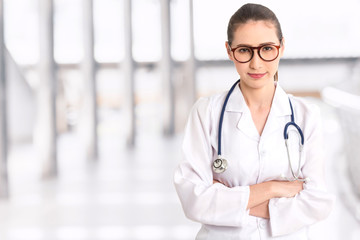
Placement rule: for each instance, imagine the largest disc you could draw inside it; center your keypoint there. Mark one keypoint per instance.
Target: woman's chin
(257, 83)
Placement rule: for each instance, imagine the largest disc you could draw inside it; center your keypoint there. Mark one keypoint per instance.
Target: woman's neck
(258, 98)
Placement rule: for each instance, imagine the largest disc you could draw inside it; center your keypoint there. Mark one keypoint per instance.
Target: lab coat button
(262, 224)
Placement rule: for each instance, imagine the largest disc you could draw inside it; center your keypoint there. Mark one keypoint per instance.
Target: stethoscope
(220, 164)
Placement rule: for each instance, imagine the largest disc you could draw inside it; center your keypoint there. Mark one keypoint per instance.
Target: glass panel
(21, 19)
(180, 32)
(71, 96)
(148, 98)
(109, 30)
(212, 80)
(110, 99)
(146, 30)
(210, 23)
(110, 85)
(68, 34)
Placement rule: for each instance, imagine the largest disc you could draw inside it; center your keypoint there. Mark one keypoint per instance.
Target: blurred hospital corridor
(129, 194)
(95, 95)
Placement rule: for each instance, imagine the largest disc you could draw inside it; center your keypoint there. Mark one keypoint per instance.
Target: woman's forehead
(255, 32)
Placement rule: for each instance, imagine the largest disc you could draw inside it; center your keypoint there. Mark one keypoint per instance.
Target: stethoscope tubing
(292, 123)
(222, 116)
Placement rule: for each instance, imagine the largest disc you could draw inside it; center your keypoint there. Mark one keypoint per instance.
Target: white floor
(128, 194)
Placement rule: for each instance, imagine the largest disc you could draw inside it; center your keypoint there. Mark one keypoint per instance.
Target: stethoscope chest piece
(220, 165)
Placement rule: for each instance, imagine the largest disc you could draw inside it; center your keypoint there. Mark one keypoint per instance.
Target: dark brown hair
(254, 12)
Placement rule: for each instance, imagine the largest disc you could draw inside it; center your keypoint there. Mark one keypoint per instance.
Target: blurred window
(146, 30)
(180, 32)
(21, 26)
(109, 30)
(68, 34)
(312, 29)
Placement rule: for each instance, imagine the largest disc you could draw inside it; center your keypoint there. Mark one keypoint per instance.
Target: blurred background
(94, 96)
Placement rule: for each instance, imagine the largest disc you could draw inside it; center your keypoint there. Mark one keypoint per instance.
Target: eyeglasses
(244, 54)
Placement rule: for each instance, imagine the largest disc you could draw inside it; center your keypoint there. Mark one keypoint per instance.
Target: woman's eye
(243, 50)
(267, 48)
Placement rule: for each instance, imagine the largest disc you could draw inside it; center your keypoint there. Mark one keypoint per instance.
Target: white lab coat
(251, 159)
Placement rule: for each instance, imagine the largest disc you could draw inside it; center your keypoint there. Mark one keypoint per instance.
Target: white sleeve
(203, 201)
(313, 203)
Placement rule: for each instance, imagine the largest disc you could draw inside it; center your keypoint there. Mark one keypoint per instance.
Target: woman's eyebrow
(261, 44)
(267, 43)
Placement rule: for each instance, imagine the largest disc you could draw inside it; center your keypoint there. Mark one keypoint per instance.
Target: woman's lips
(256, 75)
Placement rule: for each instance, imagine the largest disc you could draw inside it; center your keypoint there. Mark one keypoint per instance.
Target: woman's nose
(256, 61)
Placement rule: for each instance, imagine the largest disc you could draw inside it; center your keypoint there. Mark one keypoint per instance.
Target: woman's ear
(228, 50)
(282, 49)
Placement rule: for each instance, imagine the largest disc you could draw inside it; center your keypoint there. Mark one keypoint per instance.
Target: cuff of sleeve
(276, 217)
(245, 217)
(232, 205)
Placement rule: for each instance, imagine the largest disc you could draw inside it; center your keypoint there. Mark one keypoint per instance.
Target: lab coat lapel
(280, 108)
(245, 124)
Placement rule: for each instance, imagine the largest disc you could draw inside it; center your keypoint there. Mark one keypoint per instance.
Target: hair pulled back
(253, 12)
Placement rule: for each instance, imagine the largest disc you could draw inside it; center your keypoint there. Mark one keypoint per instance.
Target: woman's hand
(286, 188)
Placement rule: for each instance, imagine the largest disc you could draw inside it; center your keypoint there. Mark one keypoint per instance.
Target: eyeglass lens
(245, 54)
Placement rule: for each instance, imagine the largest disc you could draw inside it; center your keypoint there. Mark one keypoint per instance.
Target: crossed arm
(261, 193)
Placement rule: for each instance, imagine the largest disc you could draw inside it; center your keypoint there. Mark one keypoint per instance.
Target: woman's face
(256, 73)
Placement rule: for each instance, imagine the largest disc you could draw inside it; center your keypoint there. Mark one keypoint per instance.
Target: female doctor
(260, 187)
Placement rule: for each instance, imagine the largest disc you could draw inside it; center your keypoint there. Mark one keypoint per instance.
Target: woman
(258, 196)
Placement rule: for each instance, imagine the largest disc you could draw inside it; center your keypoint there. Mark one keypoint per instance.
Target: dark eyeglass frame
(252, 51)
